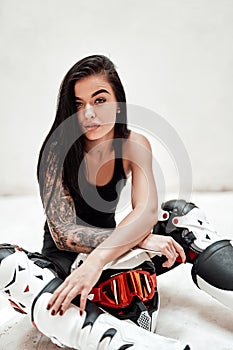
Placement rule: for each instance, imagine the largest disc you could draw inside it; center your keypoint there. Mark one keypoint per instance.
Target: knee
(215, 265)
(212, 271)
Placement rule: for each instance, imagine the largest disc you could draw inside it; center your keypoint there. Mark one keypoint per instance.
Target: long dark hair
(60, 134)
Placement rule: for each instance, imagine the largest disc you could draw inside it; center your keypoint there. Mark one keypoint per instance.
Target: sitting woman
(81, 200)
(87, 260)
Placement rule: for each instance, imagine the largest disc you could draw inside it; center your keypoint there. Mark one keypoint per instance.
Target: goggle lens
(119, 290)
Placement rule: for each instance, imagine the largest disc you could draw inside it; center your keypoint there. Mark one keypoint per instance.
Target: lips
(92, 126)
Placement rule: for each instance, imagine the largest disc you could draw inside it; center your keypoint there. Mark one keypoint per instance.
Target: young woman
(80, 191)
(83, 165)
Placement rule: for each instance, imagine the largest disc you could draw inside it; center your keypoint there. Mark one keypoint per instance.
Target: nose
(89, 112)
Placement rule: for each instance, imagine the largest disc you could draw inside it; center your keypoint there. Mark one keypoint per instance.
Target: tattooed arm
(65, 232)
(128, 234)
(61, 214)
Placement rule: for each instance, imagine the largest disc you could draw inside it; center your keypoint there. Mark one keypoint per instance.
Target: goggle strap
(154, 280)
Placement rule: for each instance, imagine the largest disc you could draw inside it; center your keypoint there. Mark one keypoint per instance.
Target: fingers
(171, 258)
(61, 299)
(180, 251)
(63, 296)
(75, 284)
(172, 251)
(83, 301)
(54, 299)
(64, 300)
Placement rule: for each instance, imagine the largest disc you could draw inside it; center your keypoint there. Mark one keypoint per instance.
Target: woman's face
(96, 106)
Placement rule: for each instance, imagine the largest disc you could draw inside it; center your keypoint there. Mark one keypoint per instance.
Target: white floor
(186, 313)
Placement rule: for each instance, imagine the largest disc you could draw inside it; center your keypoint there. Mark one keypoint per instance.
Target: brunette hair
(66, 108)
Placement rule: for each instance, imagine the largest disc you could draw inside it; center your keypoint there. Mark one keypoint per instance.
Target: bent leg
(210, 254)
(95, 329)
(212, 271)
(21, 278)
(31, 286)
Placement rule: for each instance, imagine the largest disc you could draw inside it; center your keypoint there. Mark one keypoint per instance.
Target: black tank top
(96, 207)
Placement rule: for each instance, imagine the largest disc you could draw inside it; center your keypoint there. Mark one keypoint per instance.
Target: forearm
(84, 239)
(132, 229)
(78, 238)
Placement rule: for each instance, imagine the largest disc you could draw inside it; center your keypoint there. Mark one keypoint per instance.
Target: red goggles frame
(119, 290)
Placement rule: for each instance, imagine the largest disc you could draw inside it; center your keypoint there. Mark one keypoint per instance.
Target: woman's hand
(79, 282)
(166, 245)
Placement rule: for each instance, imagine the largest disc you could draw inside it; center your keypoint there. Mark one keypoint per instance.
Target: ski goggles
(119, 290)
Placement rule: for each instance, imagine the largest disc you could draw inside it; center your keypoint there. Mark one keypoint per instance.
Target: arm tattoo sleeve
(61, 214)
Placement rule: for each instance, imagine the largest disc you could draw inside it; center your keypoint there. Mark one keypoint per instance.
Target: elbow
(62, 240)
(58, 237)
(148, 215)
(59, 242)
(59, 245)
(153, 215)
(149, 218)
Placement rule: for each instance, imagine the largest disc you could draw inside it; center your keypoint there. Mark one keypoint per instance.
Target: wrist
(146, 242)
(104, 255)
(141, 244)
(96, 258)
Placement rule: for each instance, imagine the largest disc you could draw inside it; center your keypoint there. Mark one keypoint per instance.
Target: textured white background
(174, 57)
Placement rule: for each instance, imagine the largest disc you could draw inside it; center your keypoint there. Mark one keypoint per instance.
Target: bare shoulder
(135, 139)
(136, 150)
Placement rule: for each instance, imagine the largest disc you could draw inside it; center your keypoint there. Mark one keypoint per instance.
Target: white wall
(174, 57)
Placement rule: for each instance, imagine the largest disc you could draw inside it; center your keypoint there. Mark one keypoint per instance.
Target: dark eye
(78, 104)
(100, 100)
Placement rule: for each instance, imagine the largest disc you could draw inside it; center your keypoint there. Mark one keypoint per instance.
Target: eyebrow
(94, 93)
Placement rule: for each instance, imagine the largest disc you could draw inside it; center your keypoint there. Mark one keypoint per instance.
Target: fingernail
(53, 312)
(48, 306)
(81, 313)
